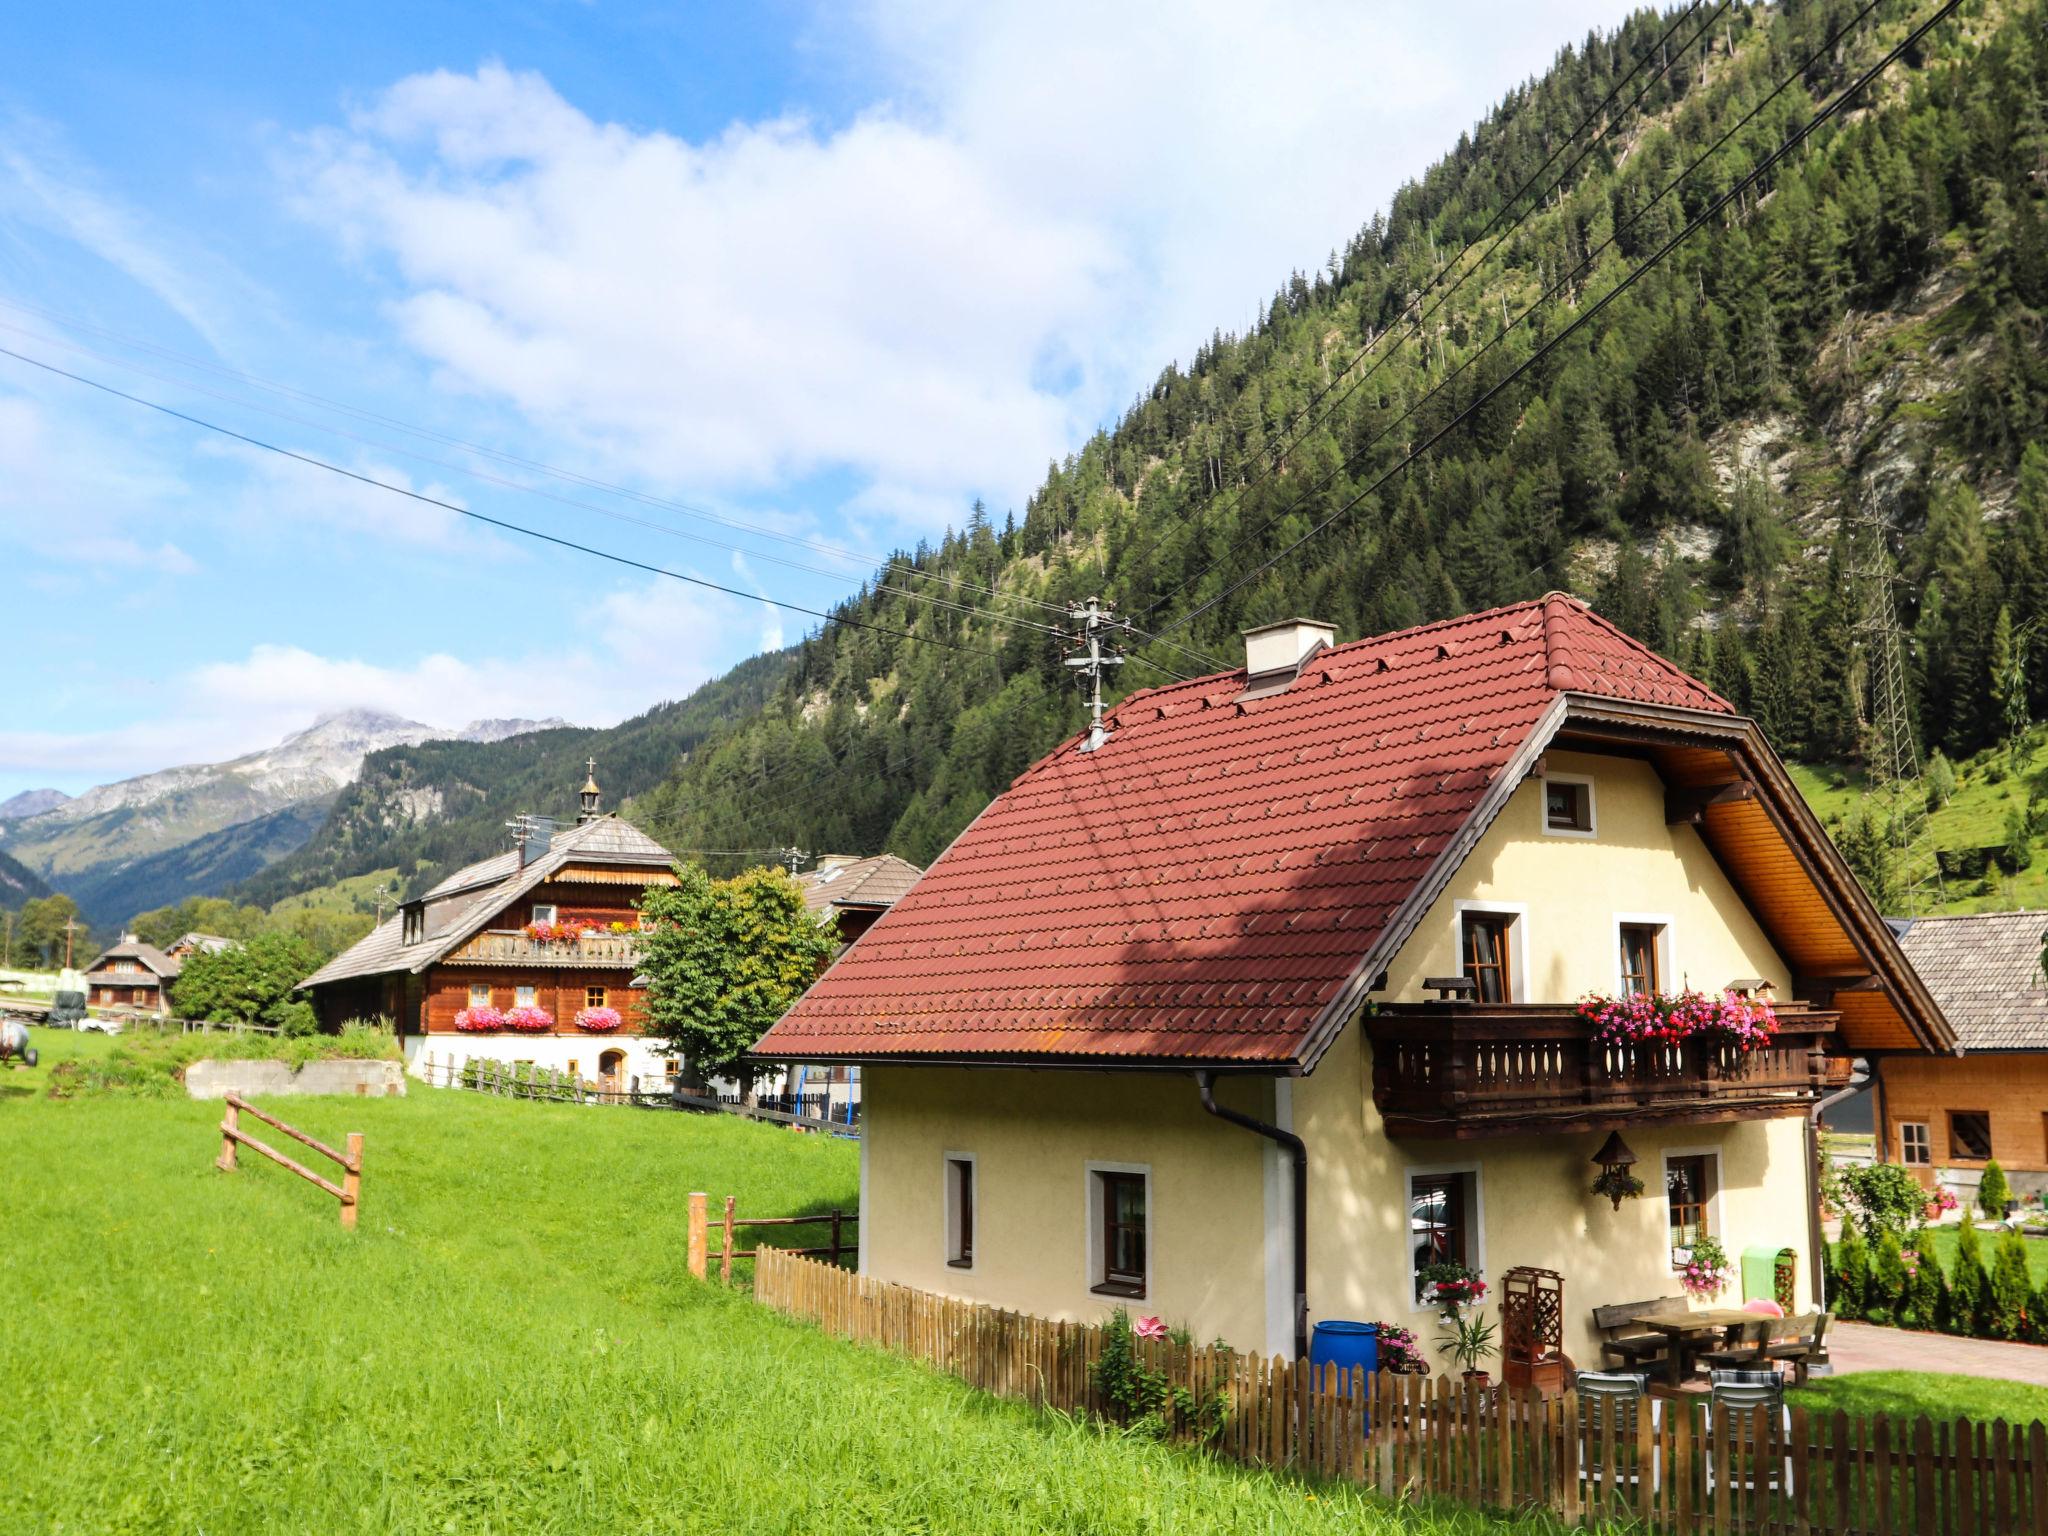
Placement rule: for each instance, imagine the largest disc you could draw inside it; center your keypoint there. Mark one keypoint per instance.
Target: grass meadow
(508, 1343)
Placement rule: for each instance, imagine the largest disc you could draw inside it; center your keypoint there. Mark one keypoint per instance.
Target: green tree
(1941, 780)
(40, 931)
(724, 960)
(1969, 1286)
(1993, 1192)
(2011, 1288)
(1885, 1198)
(250, 983)
(1851, 1274)
(1885, 1297)
(1926, 1289)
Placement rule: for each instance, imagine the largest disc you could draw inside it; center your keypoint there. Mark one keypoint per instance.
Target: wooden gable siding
(560, 992)
(605, 874)
(2009, 1086)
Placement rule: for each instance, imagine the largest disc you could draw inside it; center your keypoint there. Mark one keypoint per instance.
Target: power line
(481, 517)
(1797, 137)
(1276, 458)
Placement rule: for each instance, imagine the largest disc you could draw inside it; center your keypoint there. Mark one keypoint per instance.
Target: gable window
(479, 994)
(1567, 806)
(593, 997)
(524, 997)
(1443, 1223)
(1639, 945)
(1689, 1186)
(960, 1210)
(1969, 1135)
(1916, 1144)
(1119, 1218)
(544, 911)
(1485, 943)
(412, 923)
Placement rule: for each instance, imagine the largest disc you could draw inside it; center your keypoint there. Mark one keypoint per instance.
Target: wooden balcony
(1461, 1070)
(514, 948)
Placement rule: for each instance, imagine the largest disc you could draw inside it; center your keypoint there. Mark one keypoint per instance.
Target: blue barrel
(1347, 1346)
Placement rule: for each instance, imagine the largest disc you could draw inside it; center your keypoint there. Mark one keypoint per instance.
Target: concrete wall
(1220, 1259)
(265, 1079)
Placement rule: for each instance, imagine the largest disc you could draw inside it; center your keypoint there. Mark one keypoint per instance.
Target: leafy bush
(1142, 1397)
(1993, 1192)
(1969, 1287)
(1884, 1197)
(1886, 1292)
(249, 983)
(2011, 1290)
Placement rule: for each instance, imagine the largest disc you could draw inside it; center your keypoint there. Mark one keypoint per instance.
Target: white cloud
(1043, 202)
(74, 499)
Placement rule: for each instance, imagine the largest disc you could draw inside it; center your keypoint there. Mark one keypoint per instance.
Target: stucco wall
(554, 1051)
(1220, 1260)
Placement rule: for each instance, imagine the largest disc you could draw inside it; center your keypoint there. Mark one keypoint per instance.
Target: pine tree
(2011, 1288)
(1969, 1286)
(1993, 1192)
(1885, 1295)
(1851, 1273)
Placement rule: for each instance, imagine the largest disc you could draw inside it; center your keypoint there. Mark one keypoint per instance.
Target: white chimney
(1273, 653)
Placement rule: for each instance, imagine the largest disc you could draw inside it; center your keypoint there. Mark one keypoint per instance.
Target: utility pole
(70, 927)
(1094, 622)
(1892, 752)
(794, 857)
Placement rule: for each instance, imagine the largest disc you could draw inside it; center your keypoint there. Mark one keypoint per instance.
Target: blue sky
(826, 273)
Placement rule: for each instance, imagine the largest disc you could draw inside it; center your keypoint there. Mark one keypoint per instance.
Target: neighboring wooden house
(550, 925)
(1956, 1114)
(200, 943)
(856, 891)
(1340, 906)
(131, 974)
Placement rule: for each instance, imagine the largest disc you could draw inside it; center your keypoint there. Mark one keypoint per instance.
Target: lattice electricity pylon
(1094, 621)
(1892, 752)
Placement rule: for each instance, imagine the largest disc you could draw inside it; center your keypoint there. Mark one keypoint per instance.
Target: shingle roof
(496, 881)
(880, 881)
(134, 949)
(1206, 883)
(211, 943)
(1984, 968)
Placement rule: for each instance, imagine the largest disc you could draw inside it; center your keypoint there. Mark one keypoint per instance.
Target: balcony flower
(483, 1019)
(555, 933)
(598, 1021)
(532, 1021)
(1707, 1270)
(1744, 1024)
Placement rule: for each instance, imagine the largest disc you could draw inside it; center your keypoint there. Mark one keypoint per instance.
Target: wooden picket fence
(1665, 1465)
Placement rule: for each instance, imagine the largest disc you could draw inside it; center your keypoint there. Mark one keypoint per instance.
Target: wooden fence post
(230, 1121)
(835, 1239)
(725, 1258)
(352, 1180)
(698, 1222)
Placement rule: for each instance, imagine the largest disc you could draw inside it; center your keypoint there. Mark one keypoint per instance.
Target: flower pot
(1479, 1378)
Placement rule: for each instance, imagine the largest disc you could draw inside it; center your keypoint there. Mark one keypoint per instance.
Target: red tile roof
(1202, 886)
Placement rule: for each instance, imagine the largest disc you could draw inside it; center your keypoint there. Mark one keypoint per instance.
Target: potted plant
(1468, 1338)
(531, 1020)
(1706, 1271)
(1617, 1184)
(1449, 1287)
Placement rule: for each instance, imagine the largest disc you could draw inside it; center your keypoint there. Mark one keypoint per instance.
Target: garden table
(1689, 1328)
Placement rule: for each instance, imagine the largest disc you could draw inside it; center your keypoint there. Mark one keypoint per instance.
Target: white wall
(553, 1051)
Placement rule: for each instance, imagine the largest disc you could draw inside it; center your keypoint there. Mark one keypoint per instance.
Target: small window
(960, 1212)
(412, 922)
(479, 994)
(524, 997)
(593, 997)
(1969, 1135)
(1639, 945)
(1120, 1233)
(1486, 955)
(1689, 1192)
(572, 1066)
(1441, 1222)
(1568, 807)
(544, 912)
(1916, 1144)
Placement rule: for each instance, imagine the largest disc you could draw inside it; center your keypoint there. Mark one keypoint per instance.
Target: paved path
(1864, 1347)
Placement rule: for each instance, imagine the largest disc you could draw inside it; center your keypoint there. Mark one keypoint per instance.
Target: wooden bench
(1632, 1347)
(1769, 1340)
(1804, 1344)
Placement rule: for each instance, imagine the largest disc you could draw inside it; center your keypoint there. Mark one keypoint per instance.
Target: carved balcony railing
(496, 948)
(1462, 1070)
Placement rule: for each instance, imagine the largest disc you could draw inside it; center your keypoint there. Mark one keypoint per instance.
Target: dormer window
(412, 922)
(1567, 806)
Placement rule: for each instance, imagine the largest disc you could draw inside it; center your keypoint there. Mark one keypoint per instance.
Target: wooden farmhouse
(1946, 1117)
(853, 891)
(1270, 1001)
(191, 944)
(132, 974)
(529, 956)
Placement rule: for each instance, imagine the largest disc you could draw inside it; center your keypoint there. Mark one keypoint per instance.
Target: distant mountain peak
(498, 730)
(31, 802)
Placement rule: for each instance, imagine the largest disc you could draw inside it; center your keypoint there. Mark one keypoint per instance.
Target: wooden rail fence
(1676, 1466)
(700, 1254)
(348, 1191)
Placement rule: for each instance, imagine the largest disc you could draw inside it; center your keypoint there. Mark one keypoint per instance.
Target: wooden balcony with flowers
(1459, 1069)
(553, 944)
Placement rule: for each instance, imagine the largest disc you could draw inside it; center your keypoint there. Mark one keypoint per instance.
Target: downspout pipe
(1859, 1079)
(1297, 1149)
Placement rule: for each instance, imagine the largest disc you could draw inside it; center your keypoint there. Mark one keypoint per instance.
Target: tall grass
(508, 1343)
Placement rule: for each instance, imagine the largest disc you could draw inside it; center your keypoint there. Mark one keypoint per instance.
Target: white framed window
(544, 911)
(525, 997)
(1446, 1221)
(1643, 952)
(1119, 1206)
(962, 1195)
(1692, 1198)
(479, 994)
(1491, 939)
(1568, 806)
(1916, 1143)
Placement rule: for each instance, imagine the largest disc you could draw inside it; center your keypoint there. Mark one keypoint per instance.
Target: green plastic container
(1768, 1273)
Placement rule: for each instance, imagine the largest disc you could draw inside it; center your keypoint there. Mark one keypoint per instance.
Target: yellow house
(1246, 1013)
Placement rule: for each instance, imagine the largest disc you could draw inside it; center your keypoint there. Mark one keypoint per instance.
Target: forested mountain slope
(1860, 333)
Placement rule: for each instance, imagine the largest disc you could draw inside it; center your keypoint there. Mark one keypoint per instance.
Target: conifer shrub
(1969, 1286)
(1993, 1192)
(1885, 1292)
(1926, 1291)
(1851, 1277)
(2011, 1292)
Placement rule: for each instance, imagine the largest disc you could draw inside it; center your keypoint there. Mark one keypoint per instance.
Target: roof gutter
(1297, 1149)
